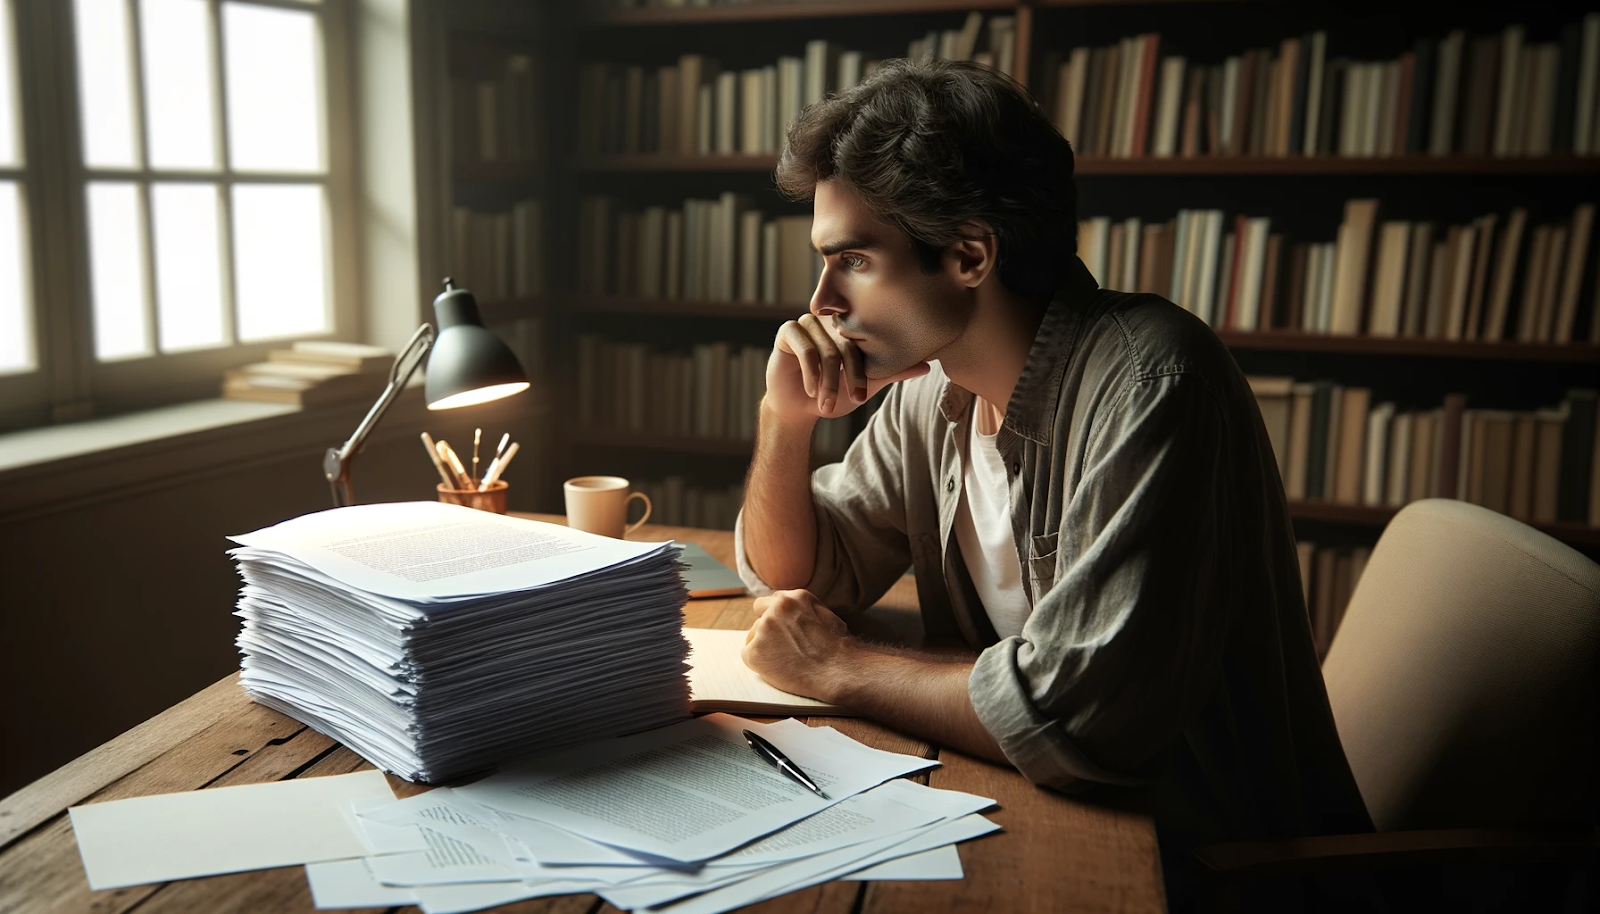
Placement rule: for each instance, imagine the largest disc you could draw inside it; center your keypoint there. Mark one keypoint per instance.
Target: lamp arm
(336, 463)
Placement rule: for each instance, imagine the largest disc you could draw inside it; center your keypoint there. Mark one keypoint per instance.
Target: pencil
(477, 436)
(433, 454)
(454, 462)
(499, 467)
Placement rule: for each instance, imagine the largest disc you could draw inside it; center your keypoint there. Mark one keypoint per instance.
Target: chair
(1463, 681)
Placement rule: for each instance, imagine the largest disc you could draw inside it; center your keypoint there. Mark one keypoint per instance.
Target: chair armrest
(1251, 860)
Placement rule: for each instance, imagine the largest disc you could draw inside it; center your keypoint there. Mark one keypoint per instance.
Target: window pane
(116, 270)
(178, 104)
(188, 265)
(274, 76)
(9, 140)
(280, 260)
(105, 81)
(16, 317)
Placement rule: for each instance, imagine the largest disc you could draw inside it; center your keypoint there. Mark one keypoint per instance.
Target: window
(201, 195)
(17, 344)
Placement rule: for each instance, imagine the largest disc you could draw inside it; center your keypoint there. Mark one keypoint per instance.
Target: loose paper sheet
(688, 792)
(222, 830)
(939, 863)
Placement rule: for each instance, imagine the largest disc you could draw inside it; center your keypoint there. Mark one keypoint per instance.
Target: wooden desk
(1055, 854)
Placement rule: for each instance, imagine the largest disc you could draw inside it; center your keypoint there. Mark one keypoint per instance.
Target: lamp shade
(468, 364)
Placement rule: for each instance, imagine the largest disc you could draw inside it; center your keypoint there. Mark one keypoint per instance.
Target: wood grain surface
(1054, 854)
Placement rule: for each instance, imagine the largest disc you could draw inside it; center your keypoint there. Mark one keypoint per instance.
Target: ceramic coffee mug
(599, 504)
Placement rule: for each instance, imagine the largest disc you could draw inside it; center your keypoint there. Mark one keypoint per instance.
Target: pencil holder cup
(491, 499)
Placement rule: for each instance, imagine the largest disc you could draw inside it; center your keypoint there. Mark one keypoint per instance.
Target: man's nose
(826, 299)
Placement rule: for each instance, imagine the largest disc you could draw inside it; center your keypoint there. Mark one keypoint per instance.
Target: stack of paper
(685, 818)
(436, 640)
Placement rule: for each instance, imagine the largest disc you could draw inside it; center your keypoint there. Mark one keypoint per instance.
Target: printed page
(687, 792)
(921, 808)
(790, 877)
(424, 551)
(718, 676)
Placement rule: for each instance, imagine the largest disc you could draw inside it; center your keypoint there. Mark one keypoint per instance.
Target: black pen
(781, 762)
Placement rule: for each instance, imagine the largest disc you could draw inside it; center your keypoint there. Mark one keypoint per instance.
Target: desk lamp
(469, 365)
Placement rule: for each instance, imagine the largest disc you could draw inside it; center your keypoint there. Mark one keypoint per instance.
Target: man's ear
(972, 259)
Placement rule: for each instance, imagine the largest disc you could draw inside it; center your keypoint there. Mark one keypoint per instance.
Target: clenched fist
(798, 644)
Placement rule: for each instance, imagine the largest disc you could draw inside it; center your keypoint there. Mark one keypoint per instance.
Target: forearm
(923, 695)
(780, 526)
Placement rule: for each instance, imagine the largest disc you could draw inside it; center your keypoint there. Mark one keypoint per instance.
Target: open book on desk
(719, 680)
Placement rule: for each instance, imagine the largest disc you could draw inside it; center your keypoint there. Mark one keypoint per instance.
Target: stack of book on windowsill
(312, 373)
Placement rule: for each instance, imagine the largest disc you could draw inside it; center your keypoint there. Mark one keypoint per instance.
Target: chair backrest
(1463, 677)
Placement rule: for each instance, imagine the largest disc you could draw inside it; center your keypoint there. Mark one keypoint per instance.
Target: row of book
(1328, 577)
(713, 391)
(1333, 443)
(1499, 95)
(674, 502)
(694, 107)
(498, 118)
(1495, 279)
(498, 255)
(722, 250)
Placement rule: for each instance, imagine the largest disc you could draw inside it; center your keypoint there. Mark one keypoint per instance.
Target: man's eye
(852, 261)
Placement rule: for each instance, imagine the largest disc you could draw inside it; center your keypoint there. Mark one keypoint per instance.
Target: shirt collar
(1032, 409)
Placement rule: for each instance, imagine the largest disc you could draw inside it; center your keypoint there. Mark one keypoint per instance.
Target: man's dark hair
(931, 145)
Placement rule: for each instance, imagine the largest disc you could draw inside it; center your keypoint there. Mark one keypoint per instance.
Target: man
(1079, 478)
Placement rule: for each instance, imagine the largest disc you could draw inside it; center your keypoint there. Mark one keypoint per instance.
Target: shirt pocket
(1042, 564)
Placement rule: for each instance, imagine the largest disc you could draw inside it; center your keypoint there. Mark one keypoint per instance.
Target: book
(1505, 271)
(1397, 471)
(1424, 434)
(1297, 460)
(1350, 436)
(1519, 499)
(352, 357)
(1374, 472)
(719, 680)
(1350, 273)
(1577, 454)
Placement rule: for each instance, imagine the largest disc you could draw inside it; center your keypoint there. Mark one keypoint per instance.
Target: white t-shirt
(983, 528)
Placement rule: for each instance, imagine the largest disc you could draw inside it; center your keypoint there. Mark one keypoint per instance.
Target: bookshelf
(1304, 194)
(1195, 166)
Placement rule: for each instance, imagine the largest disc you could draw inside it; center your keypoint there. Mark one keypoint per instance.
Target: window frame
(72, 382)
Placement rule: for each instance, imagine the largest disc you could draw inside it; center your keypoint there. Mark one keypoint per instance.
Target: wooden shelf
(1265, 340)
(1297, 341)
(1198, 166)
(729, 310)
(1573, 534)
(595, 437)
(496, 172)
(653, 161)
(499, 310)
(759, 10)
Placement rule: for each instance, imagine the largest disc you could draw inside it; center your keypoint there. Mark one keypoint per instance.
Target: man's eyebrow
(828, 250)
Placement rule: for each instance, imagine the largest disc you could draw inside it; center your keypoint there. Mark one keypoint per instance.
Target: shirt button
(950, 484)
(1016, 466)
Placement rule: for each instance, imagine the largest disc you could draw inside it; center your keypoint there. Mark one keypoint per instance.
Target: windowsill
(60, 467)
(60, 444)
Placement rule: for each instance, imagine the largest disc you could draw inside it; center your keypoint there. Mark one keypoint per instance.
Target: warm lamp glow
(481, 395)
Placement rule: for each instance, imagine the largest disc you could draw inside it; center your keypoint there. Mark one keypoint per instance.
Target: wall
(117, 606)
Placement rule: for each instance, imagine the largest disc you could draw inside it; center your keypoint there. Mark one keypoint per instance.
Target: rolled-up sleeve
(1120, 653)
(859, 503)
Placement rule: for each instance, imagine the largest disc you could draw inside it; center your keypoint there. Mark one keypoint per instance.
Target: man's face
(874, 289)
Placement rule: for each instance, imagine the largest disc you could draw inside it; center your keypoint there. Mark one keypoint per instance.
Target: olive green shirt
(1168, 650)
